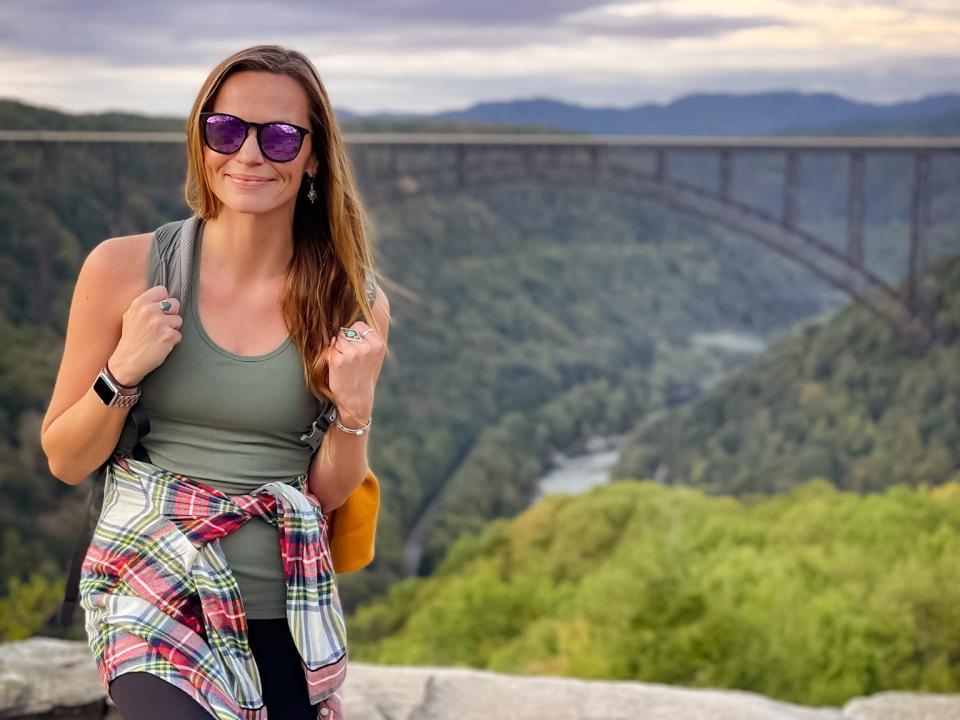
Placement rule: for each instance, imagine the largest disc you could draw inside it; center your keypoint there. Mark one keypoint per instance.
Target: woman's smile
(249, 181)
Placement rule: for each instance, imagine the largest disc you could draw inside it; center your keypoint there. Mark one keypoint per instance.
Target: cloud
(658, 25)
(185, 32)
(409, 55)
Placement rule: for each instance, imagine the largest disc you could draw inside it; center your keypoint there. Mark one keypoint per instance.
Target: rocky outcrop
(47, 678)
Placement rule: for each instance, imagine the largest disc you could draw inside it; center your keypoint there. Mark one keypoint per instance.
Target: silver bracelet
(358, 431)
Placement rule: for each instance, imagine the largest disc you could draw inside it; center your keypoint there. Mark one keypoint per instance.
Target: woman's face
(260, 97)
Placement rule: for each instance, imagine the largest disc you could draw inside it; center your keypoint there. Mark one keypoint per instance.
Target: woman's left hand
(354, 369)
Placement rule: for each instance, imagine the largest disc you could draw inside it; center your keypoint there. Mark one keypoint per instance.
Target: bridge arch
(840, 270)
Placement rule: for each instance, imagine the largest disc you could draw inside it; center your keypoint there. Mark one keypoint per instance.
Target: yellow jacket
(353, 527)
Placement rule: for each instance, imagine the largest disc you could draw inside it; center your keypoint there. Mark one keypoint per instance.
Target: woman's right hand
(148, 335)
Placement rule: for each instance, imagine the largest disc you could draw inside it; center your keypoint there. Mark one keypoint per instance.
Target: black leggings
(142, 696)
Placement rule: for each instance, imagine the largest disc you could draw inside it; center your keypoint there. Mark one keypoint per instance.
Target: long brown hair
(332, 256)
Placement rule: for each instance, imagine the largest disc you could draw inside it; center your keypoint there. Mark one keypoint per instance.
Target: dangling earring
(312, 194)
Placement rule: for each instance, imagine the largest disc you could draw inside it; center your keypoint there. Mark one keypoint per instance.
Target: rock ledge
(47, 678)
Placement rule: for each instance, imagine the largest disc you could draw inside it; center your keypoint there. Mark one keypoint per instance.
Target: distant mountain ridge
(767, 113)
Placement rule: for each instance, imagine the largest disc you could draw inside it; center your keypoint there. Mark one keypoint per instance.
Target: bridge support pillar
(919, 209)
(791, 185)
(855, 213)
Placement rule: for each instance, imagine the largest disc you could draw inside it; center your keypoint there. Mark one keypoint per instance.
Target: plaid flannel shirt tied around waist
(160, 597)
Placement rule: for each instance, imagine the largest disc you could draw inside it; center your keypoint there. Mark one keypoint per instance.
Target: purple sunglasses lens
(280, 142)
(224, 133)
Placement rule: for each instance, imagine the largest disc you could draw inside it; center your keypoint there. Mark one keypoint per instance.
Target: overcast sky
(431, 55)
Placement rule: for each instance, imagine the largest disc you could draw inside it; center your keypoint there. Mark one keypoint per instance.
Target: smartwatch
(108, 390)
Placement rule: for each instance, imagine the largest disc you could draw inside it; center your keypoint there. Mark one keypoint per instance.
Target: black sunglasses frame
(302, 132)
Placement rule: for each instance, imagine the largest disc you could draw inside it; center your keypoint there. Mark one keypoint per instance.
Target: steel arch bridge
(471, 160)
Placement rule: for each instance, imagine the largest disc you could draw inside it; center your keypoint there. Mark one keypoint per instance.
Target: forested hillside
(844, 400)
(812, 596)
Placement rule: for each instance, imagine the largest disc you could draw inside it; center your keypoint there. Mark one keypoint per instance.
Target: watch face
(103, 389)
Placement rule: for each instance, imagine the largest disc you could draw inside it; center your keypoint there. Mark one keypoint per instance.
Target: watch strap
(116, 382)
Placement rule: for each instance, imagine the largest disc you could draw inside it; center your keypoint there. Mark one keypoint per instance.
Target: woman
(265, 340)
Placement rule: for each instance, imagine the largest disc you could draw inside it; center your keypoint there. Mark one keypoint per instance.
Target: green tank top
(233, 422)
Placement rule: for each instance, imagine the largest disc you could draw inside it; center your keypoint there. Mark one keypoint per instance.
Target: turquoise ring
(165, 305)
(351, 334)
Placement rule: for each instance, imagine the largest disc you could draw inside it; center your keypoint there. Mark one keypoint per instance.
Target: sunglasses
(279, 141)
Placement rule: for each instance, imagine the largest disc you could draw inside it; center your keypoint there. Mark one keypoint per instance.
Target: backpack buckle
(318, 428)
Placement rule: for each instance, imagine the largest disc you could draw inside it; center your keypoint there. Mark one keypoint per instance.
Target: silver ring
(351, 334)
(165, 305)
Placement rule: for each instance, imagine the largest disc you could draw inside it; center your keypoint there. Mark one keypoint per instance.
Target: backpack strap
(318, 428)
(63, 615)
(169, 263)
(165, 266)
(171, 256)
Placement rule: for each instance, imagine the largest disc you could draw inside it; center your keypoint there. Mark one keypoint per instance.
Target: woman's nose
(250, 149)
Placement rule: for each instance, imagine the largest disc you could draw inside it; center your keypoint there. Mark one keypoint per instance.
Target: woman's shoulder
(125, 247)
(120, 262)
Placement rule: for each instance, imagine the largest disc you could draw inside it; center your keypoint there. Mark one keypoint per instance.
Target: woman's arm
(331, 480)
(78, 431)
